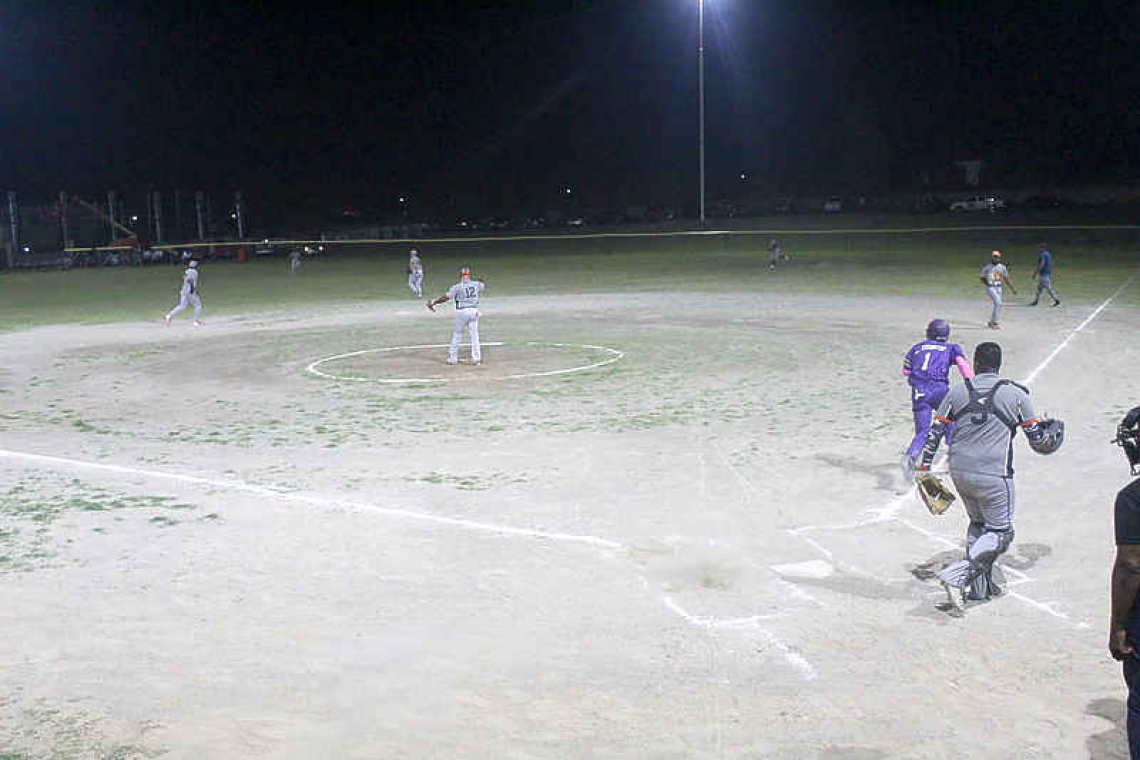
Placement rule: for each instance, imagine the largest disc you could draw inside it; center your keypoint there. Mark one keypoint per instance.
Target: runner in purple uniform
(927, 369)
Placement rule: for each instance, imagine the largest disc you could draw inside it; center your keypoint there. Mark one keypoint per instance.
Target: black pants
(1132, 678)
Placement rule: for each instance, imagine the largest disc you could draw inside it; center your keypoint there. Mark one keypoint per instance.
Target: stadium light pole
(701, 92)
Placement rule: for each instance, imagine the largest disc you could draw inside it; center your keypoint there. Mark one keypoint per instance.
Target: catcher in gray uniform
(986, 412)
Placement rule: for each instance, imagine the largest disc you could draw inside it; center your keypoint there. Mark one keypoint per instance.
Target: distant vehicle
(264, 248)
(576, 221)
(1044, 201)
(989, 203)
(833, 205)
(784, 206)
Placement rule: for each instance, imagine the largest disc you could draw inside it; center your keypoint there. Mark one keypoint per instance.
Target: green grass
(1089, 264)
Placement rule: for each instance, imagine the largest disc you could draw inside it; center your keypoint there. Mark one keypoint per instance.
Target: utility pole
(157, 199)
(111, 211)
(63, 206)
(14, 221)
(200, 208)
(239, 210)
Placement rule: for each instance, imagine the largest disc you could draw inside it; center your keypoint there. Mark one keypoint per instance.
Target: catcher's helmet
(938, 329)
(1052, 438)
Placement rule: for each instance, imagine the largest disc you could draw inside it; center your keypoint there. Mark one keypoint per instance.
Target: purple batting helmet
(938, 329)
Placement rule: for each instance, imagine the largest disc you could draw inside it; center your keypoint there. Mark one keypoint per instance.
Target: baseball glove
(934, 495)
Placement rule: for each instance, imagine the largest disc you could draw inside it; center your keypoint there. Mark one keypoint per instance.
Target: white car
(989, 203)
(833, 205)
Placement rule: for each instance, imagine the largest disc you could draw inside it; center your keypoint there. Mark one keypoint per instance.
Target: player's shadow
(1113, 743)
(885, 474)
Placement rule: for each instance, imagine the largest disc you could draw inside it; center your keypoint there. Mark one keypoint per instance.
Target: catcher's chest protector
(982, 406)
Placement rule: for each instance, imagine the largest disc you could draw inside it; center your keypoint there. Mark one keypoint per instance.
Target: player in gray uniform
(775, 253)
(465, 293)
(188, 295)
(986, 412)
(993, 275)
(295, 261)
(415, 274)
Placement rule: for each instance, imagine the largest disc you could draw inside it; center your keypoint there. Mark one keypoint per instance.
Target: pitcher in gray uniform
(994, 275)
(986, 413)
(465, 293)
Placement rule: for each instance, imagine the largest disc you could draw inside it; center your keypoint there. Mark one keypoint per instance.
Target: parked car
(264, 248)
(989, 203)
(833, 205)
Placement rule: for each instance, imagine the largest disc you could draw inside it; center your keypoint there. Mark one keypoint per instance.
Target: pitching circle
(612, 355)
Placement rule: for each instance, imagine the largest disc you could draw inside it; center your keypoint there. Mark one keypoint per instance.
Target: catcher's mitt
(934, 495)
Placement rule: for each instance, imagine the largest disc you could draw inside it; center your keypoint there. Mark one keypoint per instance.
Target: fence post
(200, 208)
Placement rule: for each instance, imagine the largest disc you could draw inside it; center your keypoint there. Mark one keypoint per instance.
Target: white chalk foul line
(329, 502)
(750, 623)
(1096, 312)
(318, 500)
(613, 355)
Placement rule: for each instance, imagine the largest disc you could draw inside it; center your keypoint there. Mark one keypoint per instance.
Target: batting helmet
(193, 264)
(1053, 435)
(938, 329)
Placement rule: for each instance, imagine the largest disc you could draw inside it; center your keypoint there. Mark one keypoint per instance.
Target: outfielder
(465, 293)
(993, 275)
(775, 253)
(188, 295)
(415, 274)
(926, 368)
(1044, 275)
(295, 261)
(987, 412)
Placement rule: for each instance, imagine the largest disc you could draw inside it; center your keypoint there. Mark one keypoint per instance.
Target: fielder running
(993, 275)
(987, 412)
(926, 368)
(465, 293)
(188, 295)
(775, 253)
(415, 274)
(1044, 275)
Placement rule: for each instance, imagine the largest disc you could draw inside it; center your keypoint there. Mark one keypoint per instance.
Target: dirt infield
(659, 525)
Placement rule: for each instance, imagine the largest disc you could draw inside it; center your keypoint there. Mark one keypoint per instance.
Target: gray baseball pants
(995, 296)
(1045, 282)
(989, 503)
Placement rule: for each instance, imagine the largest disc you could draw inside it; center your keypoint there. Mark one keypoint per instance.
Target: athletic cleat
(1056, 303)
(993, 325)
(166, 319)
(955, 597)
(1032, 303)
(908, 467)
(197, 323)
(452, 362)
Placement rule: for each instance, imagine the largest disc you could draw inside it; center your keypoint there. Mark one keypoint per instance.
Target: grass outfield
(942, 264)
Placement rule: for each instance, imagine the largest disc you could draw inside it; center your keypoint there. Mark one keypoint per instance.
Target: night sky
(495, 107)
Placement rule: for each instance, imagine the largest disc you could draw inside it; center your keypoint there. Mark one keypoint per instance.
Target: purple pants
(924, 402)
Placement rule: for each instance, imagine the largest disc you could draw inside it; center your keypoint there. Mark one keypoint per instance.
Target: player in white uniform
(465, 293)
(416, 274)
(295, 261)
(189, 295)
(994, 275)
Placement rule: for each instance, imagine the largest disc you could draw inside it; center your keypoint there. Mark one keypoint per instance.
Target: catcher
(986, 412)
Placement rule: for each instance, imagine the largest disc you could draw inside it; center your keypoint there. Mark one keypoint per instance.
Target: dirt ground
(699, 548)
